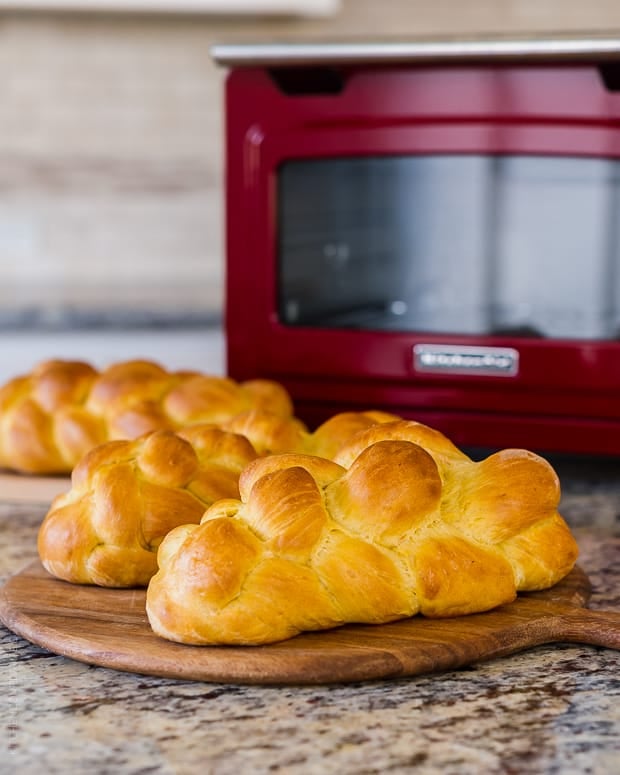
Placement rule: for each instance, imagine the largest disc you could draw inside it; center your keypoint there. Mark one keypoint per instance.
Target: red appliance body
(563, 393)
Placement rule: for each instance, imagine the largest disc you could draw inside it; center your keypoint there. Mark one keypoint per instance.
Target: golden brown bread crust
(127, 495)
(390, 529)
(273, 434)
(52, 417)
(329, 437)
(269, 433)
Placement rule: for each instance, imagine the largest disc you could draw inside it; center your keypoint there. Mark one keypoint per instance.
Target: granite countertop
(551, 709)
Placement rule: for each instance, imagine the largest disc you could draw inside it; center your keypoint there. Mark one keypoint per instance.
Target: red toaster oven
(432, 229)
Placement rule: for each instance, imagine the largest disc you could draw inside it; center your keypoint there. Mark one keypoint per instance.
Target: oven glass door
(469, 244)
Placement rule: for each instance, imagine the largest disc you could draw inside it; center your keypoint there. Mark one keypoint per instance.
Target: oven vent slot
(306, 81)
(610, 75)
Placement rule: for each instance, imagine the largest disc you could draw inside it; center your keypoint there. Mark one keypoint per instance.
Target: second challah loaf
(126, 496)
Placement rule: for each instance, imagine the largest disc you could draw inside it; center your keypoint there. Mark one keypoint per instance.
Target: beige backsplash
(111, 143)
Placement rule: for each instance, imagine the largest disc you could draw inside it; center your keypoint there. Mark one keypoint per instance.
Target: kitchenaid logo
(461, 359)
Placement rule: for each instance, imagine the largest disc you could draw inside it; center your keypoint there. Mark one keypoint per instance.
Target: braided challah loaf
(51, 417)
(127, 495)
(403, 523)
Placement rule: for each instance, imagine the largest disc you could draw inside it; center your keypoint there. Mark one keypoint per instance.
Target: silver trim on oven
(528, 48)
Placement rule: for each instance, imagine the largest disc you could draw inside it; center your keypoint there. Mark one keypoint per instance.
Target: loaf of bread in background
(50, 418)
(401, 522)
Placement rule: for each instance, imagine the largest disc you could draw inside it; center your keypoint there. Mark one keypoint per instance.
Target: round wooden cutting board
(109, 628)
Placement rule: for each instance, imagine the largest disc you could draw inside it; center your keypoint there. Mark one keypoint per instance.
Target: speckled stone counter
(551, 709)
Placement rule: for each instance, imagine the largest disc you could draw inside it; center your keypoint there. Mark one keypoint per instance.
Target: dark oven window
(462, 244)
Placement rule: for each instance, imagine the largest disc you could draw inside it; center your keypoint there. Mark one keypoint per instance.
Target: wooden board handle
(597, 628)
(551, 621)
